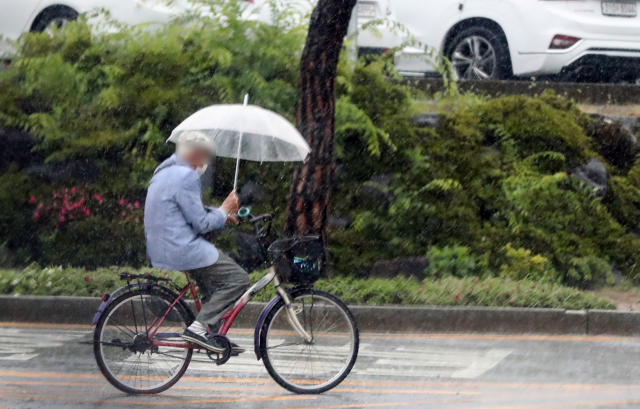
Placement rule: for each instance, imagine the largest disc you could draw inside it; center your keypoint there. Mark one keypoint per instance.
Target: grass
(493, 292)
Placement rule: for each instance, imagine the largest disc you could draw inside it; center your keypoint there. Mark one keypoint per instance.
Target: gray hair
(189, 140)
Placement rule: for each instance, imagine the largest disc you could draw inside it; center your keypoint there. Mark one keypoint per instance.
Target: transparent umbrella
(247, 132)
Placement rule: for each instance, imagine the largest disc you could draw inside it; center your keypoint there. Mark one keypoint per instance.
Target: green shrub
(589, 272)
(452, 291)
(535, 127)
(497, 172)
(614, 143)
(623, 201)
(455, 261)
(521, 265)
(552, 215)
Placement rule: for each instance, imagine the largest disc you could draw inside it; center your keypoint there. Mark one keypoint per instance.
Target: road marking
(411, 384)
(155, 402)
(373, 335)
(567, 405)
(400, 362)
(366, 405)
(21, 344)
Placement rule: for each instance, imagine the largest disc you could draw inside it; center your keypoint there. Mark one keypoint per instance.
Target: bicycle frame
(231, 315)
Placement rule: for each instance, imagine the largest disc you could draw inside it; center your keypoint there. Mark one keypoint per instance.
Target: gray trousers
(221, 285)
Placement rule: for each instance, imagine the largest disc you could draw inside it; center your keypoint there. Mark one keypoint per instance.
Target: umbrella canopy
(264, 135)
(246, 132)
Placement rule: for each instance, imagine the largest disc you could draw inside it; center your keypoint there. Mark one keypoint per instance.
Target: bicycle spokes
(324, 358)
(126, 342)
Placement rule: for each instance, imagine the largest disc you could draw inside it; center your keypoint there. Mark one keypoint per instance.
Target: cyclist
(175, 220)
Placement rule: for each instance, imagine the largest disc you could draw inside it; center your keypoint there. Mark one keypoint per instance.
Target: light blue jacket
(174, 219)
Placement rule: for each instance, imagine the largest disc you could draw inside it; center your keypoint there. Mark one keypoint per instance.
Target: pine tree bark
(308, 208)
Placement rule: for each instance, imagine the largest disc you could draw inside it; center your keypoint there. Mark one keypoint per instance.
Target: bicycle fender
(263, 316)
(132, 287)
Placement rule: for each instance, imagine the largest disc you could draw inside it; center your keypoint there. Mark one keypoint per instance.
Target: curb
(582, 93)
(400, 319)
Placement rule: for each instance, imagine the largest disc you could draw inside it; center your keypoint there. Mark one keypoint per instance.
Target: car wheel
(56, 17)
(477, 53)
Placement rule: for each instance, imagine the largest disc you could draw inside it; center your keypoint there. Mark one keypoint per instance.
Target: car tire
(54, 16)
(478, 53)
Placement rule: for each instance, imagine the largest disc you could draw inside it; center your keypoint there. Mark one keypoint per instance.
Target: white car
(493, 39)
(19, 16)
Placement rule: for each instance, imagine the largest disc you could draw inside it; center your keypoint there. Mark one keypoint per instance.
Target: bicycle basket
(298, 260)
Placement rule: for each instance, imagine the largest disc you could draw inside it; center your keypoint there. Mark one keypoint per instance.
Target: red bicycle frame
(227, 318)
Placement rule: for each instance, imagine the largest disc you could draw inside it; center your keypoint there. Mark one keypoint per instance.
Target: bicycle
(307, 339)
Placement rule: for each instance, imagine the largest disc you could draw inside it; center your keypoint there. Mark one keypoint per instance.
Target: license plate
(619, 9)
(366, 9)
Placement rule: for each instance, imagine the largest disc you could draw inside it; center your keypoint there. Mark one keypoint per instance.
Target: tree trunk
(308, 208)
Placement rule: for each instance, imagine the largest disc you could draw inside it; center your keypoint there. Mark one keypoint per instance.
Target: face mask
(201, 169)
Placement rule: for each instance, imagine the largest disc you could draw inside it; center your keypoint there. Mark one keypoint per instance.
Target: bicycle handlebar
(260, 218)
(261, 230)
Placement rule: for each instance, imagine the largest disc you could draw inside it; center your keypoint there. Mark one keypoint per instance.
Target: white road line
(373, 360)
(26, 343)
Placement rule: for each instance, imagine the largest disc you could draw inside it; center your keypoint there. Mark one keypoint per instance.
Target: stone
(376, 190)
(340, 222)
(427, 120)
(74, 171)
(593, 174)
(17, 149)
(404, 266)
(629, 124)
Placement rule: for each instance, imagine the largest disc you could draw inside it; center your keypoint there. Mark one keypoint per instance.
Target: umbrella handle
(235, 180)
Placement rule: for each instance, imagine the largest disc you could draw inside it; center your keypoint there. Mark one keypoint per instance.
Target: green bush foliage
(496, 177)
(451, 291)
(520, 264)
(455, 261)
(490, 191)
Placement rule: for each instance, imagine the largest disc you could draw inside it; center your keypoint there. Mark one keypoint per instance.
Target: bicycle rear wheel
(125, 354)
(320, 364)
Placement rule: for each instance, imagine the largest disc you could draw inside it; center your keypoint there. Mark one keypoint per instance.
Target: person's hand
(232, 220)
(231, 204)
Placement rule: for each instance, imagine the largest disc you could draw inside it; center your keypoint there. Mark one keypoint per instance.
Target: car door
(428, 21)
(14, 17)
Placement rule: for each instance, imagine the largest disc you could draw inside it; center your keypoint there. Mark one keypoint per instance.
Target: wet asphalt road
(43, 366)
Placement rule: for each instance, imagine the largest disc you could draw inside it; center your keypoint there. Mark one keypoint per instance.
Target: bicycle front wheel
(314, 366)
(124, 349)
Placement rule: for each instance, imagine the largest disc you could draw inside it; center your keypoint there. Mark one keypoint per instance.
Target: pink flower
(87, 279)
(36, 215)
(40, 205)
(61, 219)
(70, 217)
(73, 190)
(121, 202)
(98, 198)
(457, 297)
(63, 211)
(137, 204)
(87, 212)
(32, 199)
